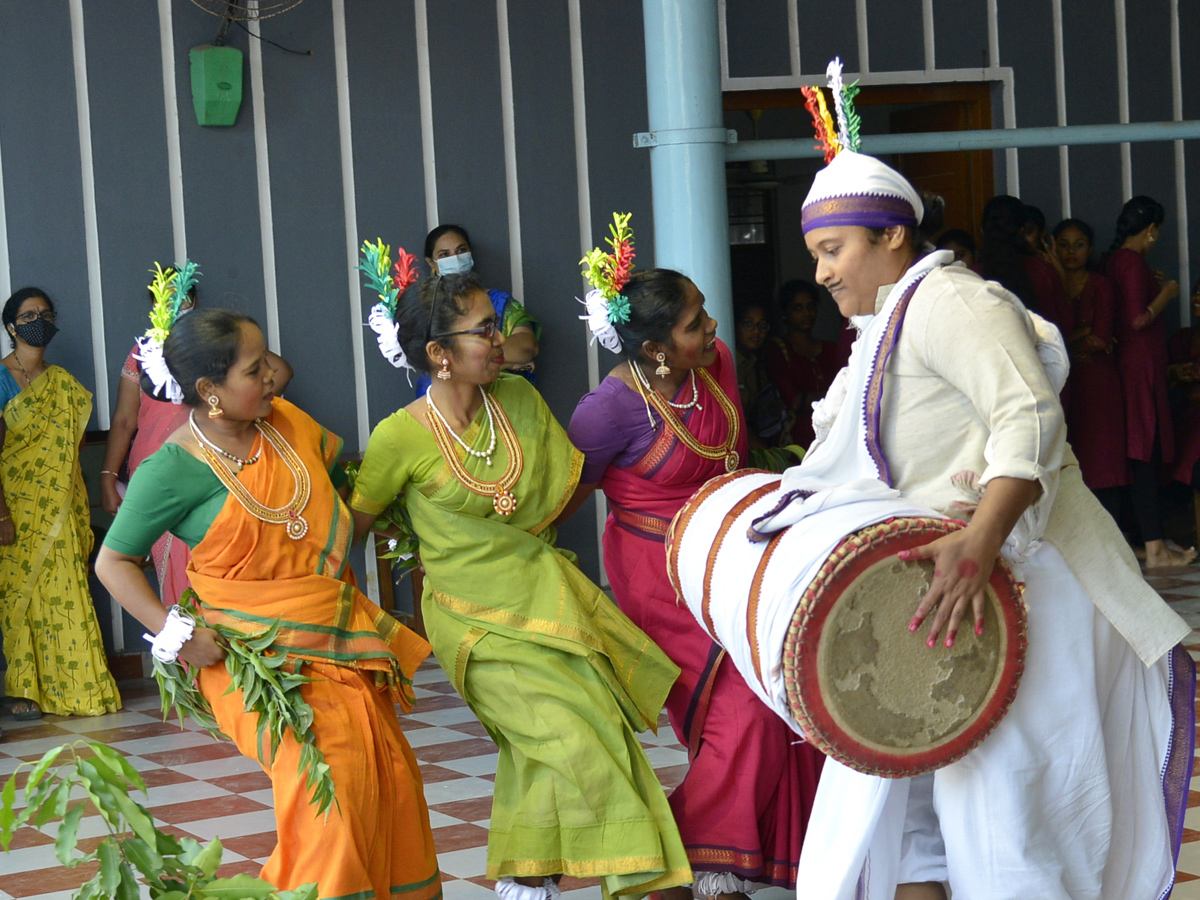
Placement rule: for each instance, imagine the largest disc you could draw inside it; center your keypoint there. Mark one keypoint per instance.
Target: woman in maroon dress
(1006, 256)
(800, 365)
(1142, 359)
(665, 421)
(1184, 350)
(1096, 416)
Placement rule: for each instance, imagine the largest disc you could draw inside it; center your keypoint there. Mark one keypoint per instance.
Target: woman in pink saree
(660, 425)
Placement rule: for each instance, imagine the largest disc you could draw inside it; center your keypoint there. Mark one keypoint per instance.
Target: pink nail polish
(903, 554)
(912, 626)
(929, 643)
(950, 641)
(979, 628)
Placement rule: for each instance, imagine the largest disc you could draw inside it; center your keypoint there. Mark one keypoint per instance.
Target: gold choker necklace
(723, 451)
(289, 513)
(500, 490)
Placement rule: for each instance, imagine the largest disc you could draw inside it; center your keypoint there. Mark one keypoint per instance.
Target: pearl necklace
(485, 455)
(641, 376)
(199, 435)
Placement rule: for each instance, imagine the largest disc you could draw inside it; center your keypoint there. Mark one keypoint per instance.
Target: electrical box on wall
(216, 84)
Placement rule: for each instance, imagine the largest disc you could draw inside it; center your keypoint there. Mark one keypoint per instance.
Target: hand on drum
(962, 565)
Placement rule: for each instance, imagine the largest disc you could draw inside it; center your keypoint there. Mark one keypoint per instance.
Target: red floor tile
(431, 774)
(459, 837)
(468, 810)
(454, 750)
(211, 808)
(252, 846)
(28, 837)
(44, 881)
(199, 753)
(244, 783)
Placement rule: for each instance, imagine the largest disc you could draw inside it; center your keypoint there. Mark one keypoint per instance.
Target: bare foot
(1160, 556)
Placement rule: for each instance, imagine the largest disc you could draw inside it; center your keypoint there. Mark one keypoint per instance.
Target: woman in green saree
(51, 638)
(560, 678)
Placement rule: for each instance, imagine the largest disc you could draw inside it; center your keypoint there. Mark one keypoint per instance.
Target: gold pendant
(297, 525)
(731, 460)
(504, 502)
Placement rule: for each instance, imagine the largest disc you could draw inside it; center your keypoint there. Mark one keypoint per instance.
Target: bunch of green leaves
(853, 122)
(376, 267)
(775, 459)
(396, 523)
(270, 683)
(166, 307)
(171, 868)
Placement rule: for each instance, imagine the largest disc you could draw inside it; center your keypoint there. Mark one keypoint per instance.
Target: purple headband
(868, 210)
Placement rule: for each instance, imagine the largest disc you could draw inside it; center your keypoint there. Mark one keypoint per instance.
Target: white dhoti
(1079, 793)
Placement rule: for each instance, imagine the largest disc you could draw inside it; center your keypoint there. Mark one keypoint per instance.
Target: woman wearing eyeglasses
(559, 677)
(51, 638)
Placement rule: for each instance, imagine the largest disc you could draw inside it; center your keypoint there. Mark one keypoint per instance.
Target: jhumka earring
(214, 407)
(444, 372)
(663, 369)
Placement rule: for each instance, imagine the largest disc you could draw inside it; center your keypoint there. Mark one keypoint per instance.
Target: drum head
(867, 691)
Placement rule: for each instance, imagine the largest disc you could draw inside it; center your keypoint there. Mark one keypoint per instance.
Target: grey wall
(300, 136)
(224, 188)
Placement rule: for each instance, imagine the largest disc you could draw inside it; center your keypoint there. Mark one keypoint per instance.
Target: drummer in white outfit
(1080, 790)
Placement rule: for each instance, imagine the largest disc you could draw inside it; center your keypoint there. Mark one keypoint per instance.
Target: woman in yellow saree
(560, 678)
(51, 638)
(249, 487)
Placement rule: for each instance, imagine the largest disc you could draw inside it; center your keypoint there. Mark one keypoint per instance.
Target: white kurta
(1065, 799)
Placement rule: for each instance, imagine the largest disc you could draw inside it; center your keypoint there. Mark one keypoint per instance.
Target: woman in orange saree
(251, 491)
(660, 425)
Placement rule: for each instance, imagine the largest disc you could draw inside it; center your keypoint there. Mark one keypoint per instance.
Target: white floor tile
(455, 716)
(180, 793)
(219, 768)
(459, 789)
(180, 740)
(423, 737)
(466, 890)
(436, 820)
(126, 718)
(473, 765)
(266, 797)
(464, 863)
(231, 826)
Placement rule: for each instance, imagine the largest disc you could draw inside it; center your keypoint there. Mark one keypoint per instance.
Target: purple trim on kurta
(873, 402)
(867, 210)
(1177, 769)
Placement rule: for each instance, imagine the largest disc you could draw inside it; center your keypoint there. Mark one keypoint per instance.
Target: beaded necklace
(500, 490)
(666, 410)
(478, 454)
(290, 513)
(241, 463)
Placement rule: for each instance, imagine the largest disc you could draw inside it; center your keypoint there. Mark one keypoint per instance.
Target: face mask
(456, 265)
(37, 333)
(184, 311)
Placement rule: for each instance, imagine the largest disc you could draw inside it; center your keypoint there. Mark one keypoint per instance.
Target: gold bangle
(5, 518)
(106, 472)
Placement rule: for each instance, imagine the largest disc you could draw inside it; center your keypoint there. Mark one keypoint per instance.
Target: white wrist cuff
(176, 632)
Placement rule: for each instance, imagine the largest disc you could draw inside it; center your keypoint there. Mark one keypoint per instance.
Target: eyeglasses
(488, 330)
(46, 315)
(764, 327)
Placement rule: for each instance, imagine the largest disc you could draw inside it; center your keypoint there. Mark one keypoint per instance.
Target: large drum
(816, 620)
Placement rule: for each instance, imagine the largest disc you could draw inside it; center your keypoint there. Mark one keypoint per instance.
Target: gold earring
(663, 369)
(214, 407)
(444, 372)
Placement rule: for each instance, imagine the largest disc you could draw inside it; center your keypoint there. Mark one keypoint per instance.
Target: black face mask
(37, 333)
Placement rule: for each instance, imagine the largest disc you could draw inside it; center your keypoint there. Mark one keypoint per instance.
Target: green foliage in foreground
(270, 684)
(134, 850)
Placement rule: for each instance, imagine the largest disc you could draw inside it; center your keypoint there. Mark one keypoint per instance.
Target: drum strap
(874, 397)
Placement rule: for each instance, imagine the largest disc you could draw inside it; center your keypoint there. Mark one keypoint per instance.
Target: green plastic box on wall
(216, 84)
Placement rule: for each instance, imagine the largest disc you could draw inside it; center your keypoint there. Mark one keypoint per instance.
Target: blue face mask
(456, 265)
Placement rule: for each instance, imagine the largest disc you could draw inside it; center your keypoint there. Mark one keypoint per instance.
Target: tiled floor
(204, 788)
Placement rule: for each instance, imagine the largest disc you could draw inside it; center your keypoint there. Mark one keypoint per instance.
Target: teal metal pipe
(991, 139)
(683, 93)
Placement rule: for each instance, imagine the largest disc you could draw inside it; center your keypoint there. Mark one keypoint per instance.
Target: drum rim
(866, 546)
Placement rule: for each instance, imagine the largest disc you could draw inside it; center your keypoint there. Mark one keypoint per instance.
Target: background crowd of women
(1133, 396)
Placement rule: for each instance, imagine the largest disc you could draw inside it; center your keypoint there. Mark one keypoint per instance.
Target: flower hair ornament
(388, 281)
(169, 288)
(608, 273)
